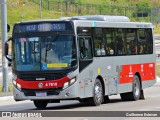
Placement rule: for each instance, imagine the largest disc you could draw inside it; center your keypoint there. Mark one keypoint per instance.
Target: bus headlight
(18, 86)
(69, 83)
(66, 84)
(14, 83)
(14, 77)
(72, 81)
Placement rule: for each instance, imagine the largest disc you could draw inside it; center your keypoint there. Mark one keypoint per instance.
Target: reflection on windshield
(45, 53)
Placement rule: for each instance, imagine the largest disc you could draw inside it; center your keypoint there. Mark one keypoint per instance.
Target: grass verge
(158, 70)
(10, 87)
(156, 29)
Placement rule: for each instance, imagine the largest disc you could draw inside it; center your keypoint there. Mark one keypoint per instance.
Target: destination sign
(42, 27)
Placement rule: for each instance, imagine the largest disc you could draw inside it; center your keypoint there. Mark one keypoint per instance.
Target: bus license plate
(41, 94)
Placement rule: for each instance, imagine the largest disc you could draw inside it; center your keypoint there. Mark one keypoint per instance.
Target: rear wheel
(97, 94)
(40, 104)
(136, 91)
(105, 99)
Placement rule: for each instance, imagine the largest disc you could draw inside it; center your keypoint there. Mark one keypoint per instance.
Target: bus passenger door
(85, 64)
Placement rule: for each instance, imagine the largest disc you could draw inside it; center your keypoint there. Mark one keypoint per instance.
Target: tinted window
(85, 47)
(142, 41)
(99, 42)
(110, 41)
(149, 41)
(120, 42)
(131, 42)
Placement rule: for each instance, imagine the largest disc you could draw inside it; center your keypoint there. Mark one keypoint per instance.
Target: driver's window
(85, 48)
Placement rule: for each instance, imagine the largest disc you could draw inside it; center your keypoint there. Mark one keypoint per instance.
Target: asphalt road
(151, 103)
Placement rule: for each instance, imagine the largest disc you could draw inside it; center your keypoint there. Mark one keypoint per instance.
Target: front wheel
(40, 104)
(136, 91)
(97, 93)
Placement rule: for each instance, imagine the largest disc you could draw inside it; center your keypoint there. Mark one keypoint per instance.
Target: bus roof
(106, 18)
(84, 23)
(98, 21)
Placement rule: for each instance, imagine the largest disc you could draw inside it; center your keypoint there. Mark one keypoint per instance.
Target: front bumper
(69, 93)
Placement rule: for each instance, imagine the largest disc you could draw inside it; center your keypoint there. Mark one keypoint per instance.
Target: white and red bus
(85, 58)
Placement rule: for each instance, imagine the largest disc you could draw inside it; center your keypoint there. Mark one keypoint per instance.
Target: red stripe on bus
(146, 71)
(44, 84)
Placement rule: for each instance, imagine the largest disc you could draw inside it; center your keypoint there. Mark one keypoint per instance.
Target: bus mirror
(8, 27)
(7, 49)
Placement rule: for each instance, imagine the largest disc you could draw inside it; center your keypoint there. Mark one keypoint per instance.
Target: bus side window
(98, 42)
(131, 41)
(120, 41)
(120, 45)
(149, 41)
(110, 46)
(142, 41)
(85, 48)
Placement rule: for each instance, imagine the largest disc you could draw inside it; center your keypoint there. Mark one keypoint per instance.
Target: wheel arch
(102, 82)
(140, 80)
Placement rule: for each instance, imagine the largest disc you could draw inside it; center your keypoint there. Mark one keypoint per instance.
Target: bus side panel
(129, 65)
(124, 88)
(86, 80)
(149, 83)
(104, 68)
(149, 78)
(144, 65)
(118, 62)
(146, 71)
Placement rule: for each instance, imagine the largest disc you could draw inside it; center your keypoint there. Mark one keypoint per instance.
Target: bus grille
(32, 92)
(53, 76)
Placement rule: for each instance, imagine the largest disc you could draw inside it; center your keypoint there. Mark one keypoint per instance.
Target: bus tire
(83, 100)
(40, 104)
(136, 91)
(106, 100)
(97, 98)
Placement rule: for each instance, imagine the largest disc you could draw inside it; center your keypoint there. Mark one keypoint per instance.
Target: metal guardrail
(155, 15)
(68, 8)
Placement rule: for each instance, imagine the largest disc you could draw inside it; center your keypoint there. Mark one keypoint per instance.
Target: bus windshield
(45, 53)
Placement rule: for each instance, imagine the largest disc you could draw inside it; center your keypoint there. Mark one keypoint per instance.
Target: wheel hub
(98, 92)
(136, 88)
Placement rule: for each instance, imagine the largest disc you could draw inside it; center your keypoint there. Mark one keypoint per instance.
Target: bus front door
(85, 65)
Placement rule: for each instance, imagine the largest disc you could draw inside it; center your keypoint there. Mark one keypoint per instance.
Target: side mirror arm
(7, 49)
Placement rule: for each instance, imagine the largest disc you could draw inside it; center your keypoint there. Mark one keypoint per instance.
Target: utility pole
(4, 39)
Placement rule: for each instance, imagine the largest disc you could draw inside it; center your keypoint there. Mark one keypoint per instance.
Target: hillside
(116, 2)
(53, 10)
(30, 11)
